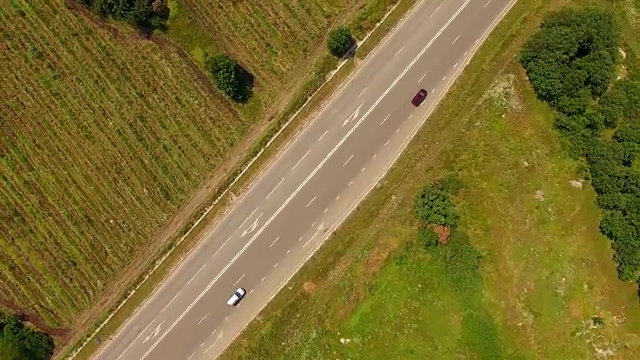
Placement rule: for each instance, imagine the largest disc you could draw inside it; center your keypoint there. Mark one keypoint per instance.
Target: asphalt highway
(310, 187)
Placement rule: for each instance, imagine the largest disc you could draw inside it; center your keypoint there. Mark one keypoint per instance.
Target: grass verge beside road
(546, 288)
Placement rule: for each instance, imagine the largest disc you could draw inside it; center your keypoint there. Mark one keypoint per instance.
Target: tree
(10, 347)
(572, 58)
(229, 77)
(572, 62)
(434, 207)
(19, 342)
(146, 15)
(340, 41)
(621, 102)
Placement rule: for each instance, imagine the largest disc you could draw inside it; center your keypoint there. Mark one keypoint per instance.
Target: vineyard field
(104, 137)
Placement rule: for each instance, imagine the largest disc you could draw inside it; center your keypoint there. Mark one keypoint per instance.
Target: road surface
(309, 188)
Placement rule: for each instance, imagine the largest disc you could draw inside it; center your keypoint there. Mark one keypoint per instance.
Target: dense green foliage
(433, 205)
(572, 58)
(144, 14)
(459, 258)
(340, 41)
(230, 77)
(19, 342)
(572, 62)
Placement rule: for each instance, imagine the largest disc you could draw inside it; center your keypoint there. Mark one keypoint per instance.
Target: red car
(419, 98)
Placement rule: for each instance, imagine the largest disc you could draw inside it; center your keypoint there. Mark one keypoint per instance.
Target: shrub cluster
(19, 342)
(572, 62)
(229, 77)
(433, 206)
(340, 41)
(145, 15)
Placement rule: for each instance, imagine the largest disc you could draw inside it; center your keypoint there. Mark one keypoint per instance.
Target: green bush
(621, 102)
(572, 61)
(229, 77)
(428, 238)
(624, 234)
(572, 57)
(19, 342)
(433, 206)
(146, 15)
(340, 41)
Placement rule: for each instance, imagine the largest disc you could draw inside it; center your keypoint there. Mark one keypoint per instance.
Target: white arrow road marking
(154, 333)
(214, 343)
(252, 227)
(248, 217)
(353, 116)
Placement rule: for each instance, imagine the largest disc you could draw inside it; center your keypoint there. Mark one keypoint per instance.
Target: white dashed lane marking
(433, 13)
(311, 201)
(302, 158)
(323, 135)
(170, 302)
(274, 189)
(196, 274)
(201, 320)
(274, 241)
(237, 281)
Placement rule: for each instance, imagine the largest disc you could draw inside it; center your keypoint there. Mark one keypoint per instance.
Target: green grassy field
(108, 139)
(546, 287)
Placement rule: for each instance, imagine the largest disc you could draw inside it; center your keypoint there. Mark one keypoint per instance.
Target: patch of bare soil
(309, 287)
(379, 255)
(444, 232)
(345, 310)
(31, 318)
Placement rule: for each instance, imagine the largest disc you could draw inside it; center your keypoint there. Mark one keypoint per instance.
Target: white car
(237, 296)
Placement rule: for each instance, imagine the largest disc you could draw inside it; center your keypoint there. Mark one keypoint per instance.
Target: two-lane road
(309, 188)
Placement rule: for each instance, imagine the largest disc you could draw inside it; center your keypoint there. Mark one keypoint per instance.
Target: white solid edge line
(330, 231)
(234, 205)
(455, 15)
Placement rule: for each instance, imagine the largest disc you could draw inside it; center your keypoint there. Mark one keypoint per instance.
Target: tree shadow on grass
(247, 83)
